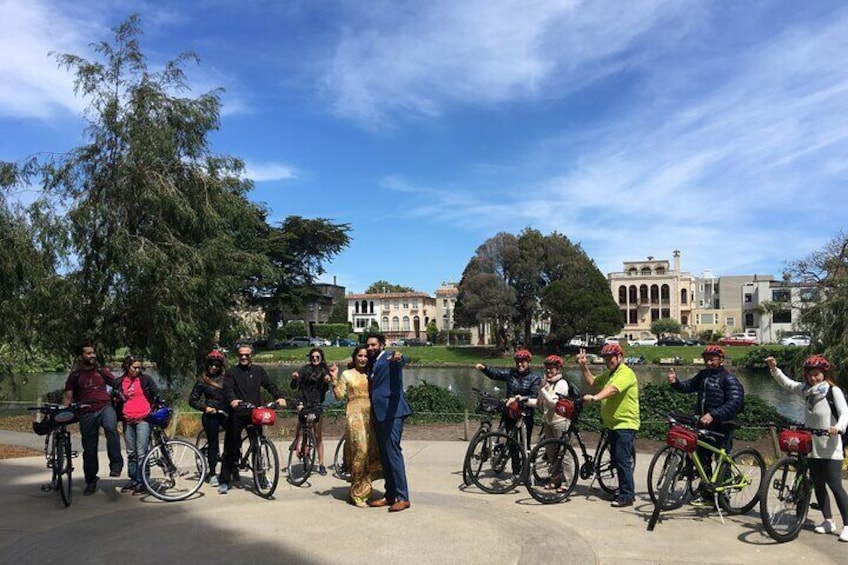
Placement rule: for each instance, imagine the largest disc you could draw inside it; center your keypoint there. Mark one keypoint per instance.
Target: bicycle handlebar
(799, 427)
(52, 407)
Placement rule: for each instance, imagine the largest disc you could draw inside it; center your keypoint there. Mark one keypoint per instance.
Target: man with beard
(390, 409)
(88, 384)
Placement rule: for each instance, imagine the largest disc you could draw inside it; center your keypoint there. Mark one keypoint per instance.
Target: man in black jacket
(242, 383)
(720, 398)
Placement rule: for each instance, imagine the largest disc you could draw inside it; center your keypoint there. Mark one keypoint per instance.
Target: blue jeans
(137, 437)
(90, 425)
(621, 449)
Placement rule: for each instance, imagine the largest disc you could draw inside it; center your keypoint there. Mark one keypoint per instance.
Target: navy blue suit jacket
(387, 397)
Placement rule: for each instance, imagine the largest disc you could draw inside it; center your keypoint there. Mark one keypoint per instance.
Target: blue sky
(634, 128)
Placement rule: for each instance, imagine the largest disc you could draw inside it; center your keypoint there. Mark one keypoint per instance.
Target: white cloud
(262, 172)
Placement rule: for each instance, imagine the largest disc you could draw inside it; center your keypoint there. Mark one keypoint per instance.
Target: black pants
(828, 473)
(212, 424)
(232, 444)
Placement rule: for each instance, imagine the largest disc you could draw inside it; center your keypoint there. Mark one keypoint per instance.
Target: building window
(396, 304)
(780, 295)
(655, 314)
(707, 319)
(405, 304)
(646, 271)
(622, 294)
(730, 321)
(385, 323)
(748, 297)
(371, 307)
(749, 320)
(782, 317)
(395, 324)
(631, 272)
(415, 304)
(660, 270)
(634, 297)
(809, 294)
(405, 326)
(684, 296)
(634, 319)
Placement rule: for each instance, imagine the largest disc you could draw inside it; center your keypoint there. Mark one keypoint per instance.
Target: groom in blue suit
(390, 409)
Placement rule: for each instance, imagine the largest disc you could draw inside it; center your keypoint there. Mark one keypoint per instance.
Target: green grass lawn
(453, 356)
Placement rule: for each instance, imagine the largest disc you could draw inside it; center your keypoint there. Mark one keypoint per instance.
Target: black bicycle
(488, 406)
(57, 444)
(303, 447)
(553, 468)
(341, 467)
(258, 453)
(495, 460)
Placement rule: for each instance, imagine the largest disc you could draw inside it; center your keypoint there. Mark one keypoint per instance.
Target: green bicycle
(734, 483)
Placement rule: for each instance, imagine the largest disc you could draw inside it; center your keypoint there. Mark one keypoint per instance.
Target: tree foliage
(827, 316)
(662, 326)
(382, 287)
(512, 280)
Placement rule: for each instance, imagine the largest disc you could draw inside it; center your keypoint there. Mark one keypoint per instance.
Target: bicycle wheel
(681, 487)
(551, 471)
(466, 461)
(174, 470)
(340, 464)
(266, 468)
(245, 454)
(62, 467)
(740, 481)
(301, 457)
(785, 499)
(673, 465)
(497, 462)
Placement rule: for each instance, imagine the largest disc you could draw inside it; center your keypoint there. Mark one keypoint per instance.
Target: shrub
(431, 403)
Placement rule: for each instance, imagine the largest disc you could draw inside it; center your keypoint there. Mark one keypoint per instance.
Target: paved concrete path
(313, 524)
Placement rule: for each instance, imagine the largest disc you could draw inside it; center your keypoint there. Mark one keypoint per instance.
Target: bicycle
(260, 457)
(57, 444)
(173, 469)
(303, 446)
(340, 464)
(553, 463)
(202, 443)
(497, 449)
(734, 483)
(787, 486)
(488, 406)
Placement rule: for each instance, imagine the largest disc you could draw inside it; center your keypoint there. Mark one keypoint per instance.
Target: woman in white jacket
(553, 425)
(826, 459)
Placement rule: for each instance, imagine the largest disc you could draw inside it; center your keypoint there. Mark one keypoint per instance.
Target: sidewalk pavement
(312, 524)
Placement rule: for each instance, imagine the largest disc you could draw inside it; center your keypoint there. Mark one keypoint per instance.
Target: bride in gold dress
(361, 445)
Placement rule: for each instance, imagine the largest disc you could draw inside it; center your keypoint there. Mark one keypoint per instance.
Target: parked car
(304, 341)
(671, 340)
(346, 343)
(801, 340)
(415, 342)
(578, 342)
(737, 340)
(643, 341)
(695, 341)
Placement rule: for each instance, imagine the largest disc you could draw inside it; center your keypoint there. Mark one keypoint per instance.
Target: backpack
(832, 403)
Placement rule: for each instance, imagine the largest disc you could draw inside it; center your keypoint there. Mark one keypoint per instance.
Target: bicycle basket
(489, 405)
(796, 441)
(44, 427)
(311, 414)
(681, 438)
(566, 408)
(160, 417)
(263, 417)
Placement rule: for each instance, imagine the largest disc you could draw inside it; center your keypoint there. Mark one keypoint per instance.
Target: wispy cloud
(753, 152)
(262, 172)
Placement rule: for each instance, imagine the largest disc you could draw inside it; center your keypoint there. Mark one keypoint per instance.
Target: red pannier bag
(681, 438)
(796, 441)
(565, 408)
(263, 417)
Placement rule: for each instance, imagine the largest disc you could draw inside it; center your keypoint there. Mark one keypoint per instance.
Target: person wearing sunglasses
(312, 383)
(208, 397)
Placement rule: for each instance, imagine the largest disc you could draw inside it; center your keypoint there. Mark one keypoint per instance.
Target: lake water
(461, 381)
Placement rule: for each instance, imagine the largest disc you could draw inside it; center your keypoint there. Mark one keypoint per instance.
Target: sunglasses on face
(216, 365)
(244, 354)
(315, 357)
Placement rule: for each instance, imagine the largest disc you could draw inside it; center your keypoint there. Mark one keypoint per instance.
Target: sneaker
(213, 480)
(826, 527)
(263, 483)
(844, 535)
(90, 488)
(130, 486)
(621, 502)
(223, 488)
(139, 489)
(115, 473)
(322, 470)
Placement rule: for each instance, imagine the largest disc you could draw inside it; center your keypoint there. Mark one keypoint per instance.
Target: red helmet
(523, 355)
(554, 360)
(215, 357)
(713, 351)
(611, 349)
(817, 362)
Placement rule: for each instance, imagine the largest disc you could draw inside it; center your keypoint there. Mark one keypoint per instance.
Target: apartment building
(773, 308)
(650, 289)
(398, 315)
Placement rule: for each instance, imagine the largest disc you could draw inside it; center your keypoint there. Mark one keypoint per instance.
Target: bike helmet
(611, 349)
(816, 362)
(523, 355)
(160, 417)
(214, 357)
(554, 360)
(713, 351)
